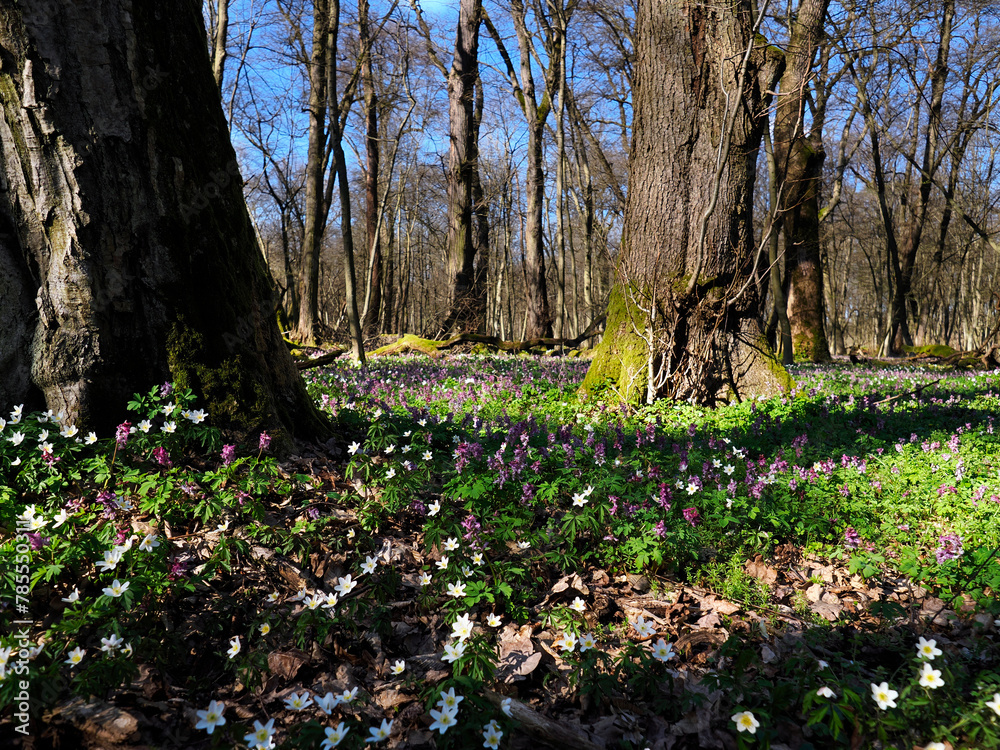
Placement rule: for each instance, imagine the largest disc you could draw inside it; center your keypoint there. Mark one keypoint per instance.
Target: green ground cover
(779, 572)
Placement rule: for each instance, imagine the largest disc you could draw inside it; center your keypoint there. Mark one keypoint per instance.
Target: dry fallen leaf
(286, 663)
(762, 571)
(518, 657)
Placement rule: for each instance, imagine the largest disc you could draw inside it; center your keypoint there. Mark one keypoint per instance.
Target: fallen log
(306, 364)
(433, 348)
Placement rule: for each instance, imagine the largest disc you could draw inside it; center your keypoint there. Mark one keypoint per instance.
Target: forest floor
(598, 641)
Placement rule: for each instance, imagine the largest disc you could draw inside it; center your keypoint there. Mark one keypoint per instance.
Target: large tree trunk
(799, 157)
(127, 256)
(683, 314)
(466, 309)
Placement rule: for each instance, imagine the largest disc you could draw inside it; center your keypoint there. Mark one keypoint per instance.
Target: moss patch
(620, 359)
(409, 343)
(232, 399)
(932, 350)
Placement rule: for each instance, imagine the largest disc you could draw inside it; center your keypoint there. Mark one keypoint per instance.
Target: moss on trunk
(621, 358)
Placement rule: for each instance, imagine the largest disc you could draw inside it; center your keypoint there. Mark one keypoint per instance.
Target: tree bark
(466, 308)
(538, 318)
(799, 157)
(683, 313)
(535, 113)
(129, 257)
(340, 164)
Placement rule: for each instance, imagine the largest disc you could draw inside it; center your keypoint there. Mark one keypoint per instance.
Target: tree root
(544, 729)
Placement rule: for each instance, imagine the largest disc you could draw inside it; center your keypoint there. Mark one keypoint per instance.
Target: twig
(914, 392)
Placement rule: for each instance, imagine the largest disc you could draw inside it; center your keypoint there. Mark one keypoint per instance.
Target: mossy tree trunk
(126, 250)
(683, 317)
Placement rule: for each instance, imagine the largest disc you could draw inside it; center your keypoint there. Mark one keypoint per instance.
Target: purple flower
(851, 538)
(665, 496)
(228, 453)
(166, 389)
(122, 433)
(36, 540)
(472, 528)
(950, 549)
(660, 529)
(265, 441)
(161, 456)
(178, 569)
(691, 516)
(528, 493)
(109, 500)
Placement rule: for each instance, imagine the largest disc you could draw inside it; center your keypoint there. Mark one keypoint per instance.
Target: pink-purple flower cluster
(950, 548)
(122, 433)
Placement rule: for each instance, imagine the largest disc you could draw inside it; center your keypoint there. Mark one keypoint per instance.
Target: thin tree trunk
(930, 162)
(373, 294)
(780, 309)
(798, 158)
(316, 205)
(559, 327)
(340, 163)
(220, 36)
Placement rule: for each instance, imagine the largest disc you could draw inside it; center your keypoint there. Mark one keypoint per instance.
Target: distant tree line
(486, 189)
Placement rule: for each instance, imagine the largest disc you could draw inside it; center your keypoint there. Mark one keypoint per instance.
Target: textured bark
(539, 316)
(127, 253)
(799, 157)
(683, 314)
(481, 209)
(466, 308)
(340, 164)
